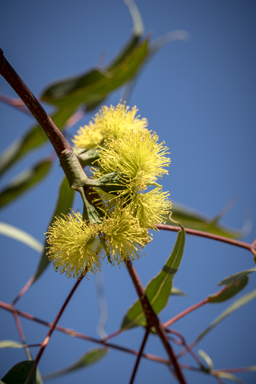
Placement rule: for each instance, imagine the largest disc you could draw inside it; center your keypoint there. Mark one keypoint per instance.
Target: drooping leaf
(24, 181)
(94, 85)
(159, 288)
(87, 359)
(64, 203)
(207, 359)
(20, 235)
(32, 139)
(10, 344)
(229, 376)
(233, 307)
(234, 283)
(19, 373)
(192, 219)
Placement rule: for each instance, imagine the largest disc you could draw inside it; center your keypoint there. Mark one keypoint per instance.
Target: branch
(251, 247)
(152, 319)
(69, 162)
(47, 339)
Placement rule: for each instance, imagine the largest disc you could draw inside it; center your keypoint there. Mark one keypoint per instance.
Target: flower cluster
(129, 162)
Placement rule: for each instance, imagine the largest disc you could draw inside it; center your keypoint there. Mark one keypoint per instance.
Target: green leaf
(177, 292)
(229, 376)
(33, 139)
(207, 359)
(94, 85)
(195, 220)
(234, 283)
(19, 373)
(10, 344)
(64, 203)
(87, 359)
(159, 288)
(233, 307)
(24, 181)
(22, 236)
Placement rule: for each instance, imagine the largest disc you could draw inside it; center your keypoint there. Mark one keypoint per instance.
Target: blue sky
(199, 96)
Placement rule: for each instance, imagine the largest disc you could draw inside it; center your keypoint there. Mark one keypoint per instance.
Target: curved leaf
(10, 344)
(24, 181)
(229, 376)
(32, 139)
(159, 288)
(195, 220)
(19, 373)
(234, 283)
(94, 85)
(207, 359)
(233, 307)
(64, 203)
(87, 359)
(22, 236)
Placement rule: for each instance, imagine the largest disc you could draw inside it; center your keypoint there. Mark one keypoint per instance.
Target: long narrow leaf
(159, 288)
(190, 218)
(87, 359)
(235, 283)
(24, 181)
(22, 236)
(94, 85)
(32, 139)
(233, 307)
(10, 344)
(64, 203)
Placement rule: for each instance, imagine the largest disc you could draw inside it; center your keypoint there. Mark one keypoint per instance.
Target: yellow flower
(136, 156)
(110, 121)
(124, 236)
(151, 207)
(74, 246)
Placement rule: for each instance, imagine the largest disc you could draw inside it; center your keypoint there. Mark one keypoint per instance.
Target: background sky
(199, 96)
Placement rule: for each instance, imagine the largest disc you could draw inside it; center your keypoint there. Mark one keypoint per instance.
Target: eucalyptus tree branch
(69, 162)
(251, 247)
(153, 321)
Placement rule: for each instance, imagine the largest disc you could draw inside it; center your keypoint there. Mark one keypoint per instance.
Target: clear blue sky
(199, 96)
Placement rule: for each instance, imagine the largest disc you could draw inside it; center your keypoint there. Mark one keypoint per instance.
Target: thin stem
(16, 103)
(22, 337)
(251, 247)
(152, 319)
(47, 339)
(79, 335)
(139, 355)
(24, 289)
(184, 313)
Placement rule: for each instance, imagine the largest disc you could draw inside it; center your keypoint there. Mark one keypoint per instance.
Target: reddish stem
(251, 247)
(24, 289)
(184, 313)
(139, 355)
(47, 339)
(152, 319)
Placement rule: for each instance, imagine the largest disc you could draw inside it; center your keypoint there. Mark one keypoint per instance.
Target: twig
(22, 337)
(16, 103)
(47, 339)
(24, 289)
(152, 319)
(139, 355)
(251, 247)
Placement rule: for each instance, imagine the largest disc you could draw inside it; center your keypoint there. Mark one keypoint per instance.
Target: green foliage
(19, 373)
(89, 358)
(159, 288)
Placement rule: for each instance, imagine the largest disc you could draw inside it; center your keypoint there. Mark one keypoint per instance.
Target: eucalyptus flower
(110, 121)
(136, 156)
(124, 236)
(74, 246)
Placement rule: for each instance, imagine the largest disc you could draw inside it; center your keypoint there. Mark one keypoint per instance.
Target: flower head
(136, 156)
(124, 236)
(110, 121)
(74, 246)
